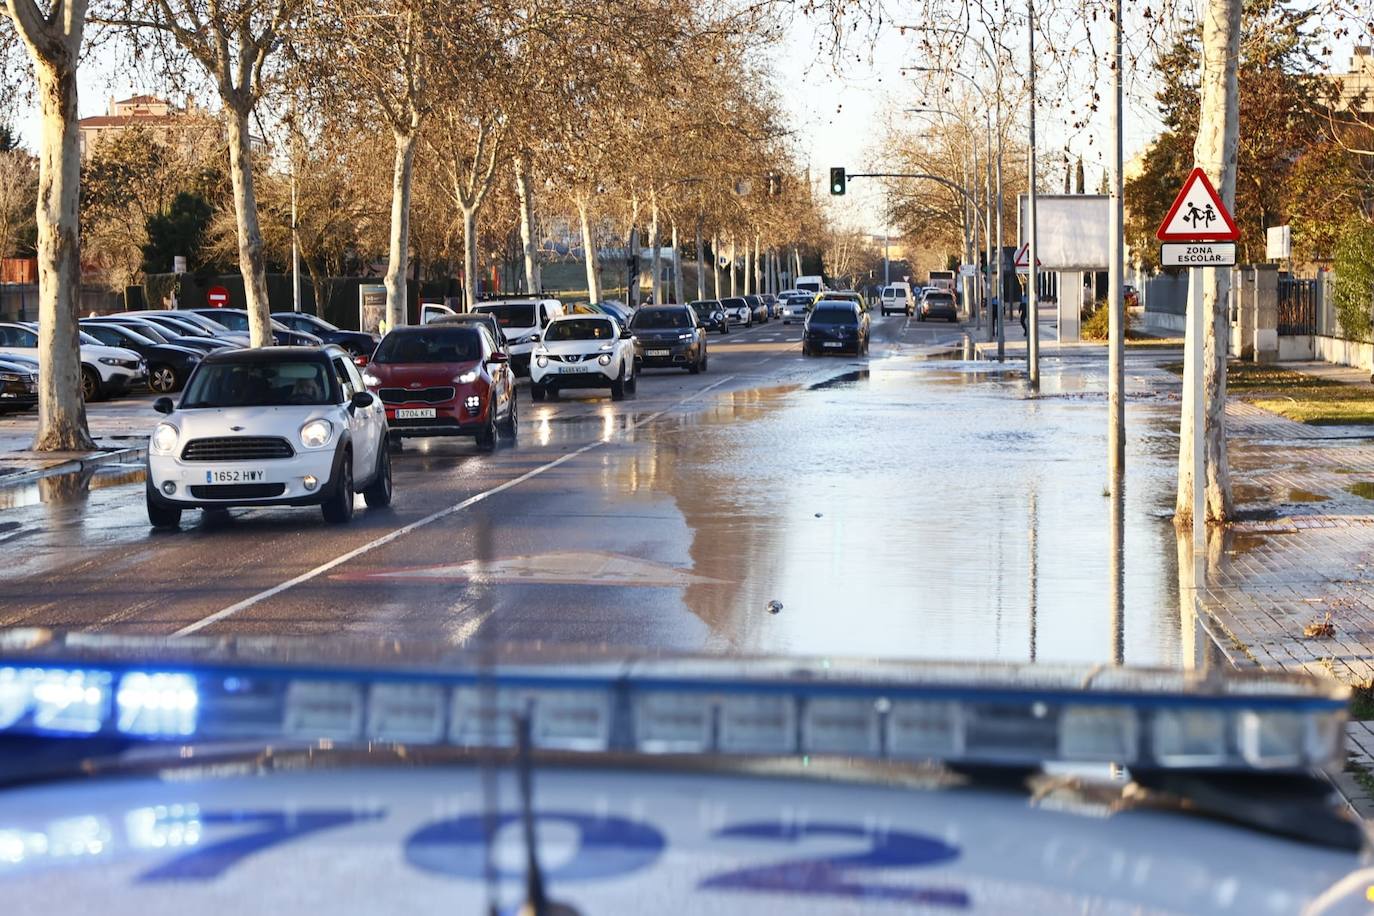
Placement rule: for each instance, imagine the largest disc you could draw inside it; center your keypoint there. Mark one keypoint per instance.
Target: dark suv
(835, 326)
(669, 335)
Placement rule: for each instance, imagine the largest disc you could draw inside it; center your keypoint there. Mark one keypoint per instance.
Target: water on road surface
(896, 507)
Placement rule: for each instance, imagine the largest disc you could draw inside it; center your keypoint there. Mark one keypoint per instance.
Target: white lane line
(428, 519)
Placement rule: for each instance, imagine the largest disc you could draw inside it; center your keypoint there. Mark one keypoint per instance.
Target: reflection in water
(1198, 650)
(65, 489)
(1117, 576)
(918, 516)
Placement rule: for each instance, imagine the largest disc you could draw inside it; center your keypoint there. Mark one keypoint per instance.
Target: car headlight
(467, 378)
(541, 361)
(604, 359)
(8, 377)
(371, 380)
(111, 361)
(165, 438)
(316, 433)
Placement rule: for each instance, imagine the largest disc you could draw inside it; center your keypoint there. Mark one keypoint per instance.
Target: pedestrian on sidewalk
(1021, 311)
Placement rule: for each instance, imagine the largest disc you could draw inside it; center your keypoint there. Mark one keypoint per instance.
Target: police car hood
(388, 839)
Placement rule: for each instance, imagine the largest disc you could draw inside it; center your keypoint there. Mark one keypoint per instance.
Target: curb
(92, 460)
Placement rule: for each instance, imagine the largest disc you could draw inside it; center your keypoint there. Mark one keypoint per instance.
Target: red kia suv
(444, 380)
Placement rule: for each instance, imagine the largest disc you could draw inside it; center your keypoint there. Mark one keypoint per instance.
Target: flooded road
(896, 506)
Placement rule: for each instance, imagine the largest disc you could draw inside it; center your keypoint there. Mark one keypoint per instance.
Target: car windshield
(580, 329)
(514, 315)
(657, 319)
(147, 332)
(832, 315)
(940, 297)
(259, 383)
(431, 344)
(735, 303)
(234, 321)
(705, 307)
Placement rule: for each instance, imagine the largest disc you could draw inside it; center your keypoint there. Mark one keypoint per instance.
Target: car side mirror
(537, 336)
(625, 334)
(164, 405)
(362, 399)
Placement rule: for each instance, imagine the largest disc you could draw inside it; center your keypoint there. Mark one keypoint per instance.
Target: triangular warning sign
(1022, 258)
(1198, 215)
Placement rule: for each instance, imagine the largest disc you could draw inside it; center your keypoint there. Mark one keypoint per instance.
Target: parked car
(938, 303)
(711, 315)
(271, 426)
(757, 308)
(18, 383)
(770, 301)
(169, 365)
(522, 322)
(359, 343)
(158, 333)
(584, 351)
(834, 326)
(444, 379)
(848, 295)
(191, 321)
(237, 320)
(897, 297)
(105, 371)
(738, 310)
(618, 310)
(669, 335)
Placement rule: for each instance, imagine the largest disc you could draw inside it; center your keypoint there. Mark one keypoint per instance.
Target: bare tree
(18, 194)
(232, 45)
(53, 40)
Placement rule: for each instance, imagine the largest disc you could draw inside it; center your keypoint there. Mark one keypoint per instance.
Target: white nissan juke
(584, 351)
(275, 426)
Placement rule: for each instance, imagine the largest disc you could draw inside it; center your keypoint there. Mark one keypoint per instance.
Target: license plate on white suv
(568, 370)
(237, 475)
(415, 413)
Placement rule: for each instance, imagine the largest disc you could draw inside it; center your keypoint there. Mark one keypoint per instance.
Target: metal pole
(295, 249)
(1116, 266)
(701, 264)
(987, 225)
(887, 271)
(1000, 319)
(1033, 275)
(1192, 400)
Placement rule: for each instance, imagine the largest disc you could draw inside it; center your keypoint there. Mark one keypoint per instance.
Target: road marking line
(428, 520)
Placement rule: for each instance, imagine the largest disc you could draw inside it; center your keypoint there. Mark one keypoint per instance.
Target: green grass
(1297, 395)
(1362, 704)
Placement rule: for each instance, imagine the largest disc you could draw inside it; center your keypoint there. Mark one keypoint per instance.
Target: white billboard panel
(1074, 232)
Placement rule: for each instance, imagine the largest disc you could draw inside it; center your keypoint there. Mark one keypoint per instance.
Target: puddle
(69, 488)
(1363, 489)
(1296, 495)
(840, 381)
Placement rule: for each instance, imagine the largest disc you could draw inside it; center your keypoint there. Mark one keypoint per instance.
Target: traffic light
(774, 184)
(837, 179)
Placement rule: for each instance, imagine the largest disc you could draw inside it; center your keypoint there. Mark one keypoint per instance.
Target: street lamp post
(1033, 275)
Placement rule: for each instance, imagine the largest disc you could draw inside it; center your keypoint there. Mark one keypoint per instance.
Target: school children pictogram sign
(1198, 215)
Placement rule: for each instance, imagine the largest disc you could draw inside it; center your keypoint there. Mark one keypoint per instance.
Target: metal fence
(19, 301)
(1298, 300)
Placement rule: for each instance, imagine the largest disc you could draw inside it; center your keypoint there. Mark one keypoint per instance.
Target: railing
(1297, 306)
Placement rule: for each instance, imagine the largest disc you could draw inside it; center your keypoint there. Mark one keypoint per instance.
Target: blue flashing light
(156, 703)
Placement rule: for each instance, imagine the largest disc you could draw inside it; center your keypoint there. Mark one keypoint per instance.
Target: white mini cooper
(275, 426)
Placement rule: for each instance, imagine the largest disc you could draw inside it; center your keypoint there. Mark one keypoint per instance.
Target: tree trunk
(470, 256)
(677, 269)
(398, 257)
(251, 262)
(522, 193)
(61, 410)
(655, 260)
(588, 251)
(1215, 153)
(701, 265)
(319, 283)
(715, 266)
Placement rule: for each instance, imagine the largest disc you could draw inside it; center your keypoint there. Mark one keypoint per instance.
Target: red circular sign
(217, 296)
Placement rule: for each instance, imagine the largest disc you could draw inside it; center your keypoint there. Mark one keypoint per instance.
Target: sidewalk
(120, 429)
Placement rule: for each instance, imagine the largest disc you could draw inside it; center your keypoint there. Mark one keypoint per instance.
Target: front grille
(437, 395)
(237, 448)
(238, 490)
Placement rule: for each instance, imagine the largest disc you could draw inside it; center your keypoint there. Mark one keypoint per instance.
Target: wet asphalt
(900, 505)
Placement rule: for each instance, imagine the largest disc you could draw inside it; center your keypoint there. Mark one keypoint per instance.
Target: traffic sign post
(1198, 233)
(1021, 263)
(217, 297)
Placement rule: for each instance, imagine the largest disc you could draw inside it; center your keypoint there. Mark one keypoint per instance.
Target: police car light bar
(984, 714)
